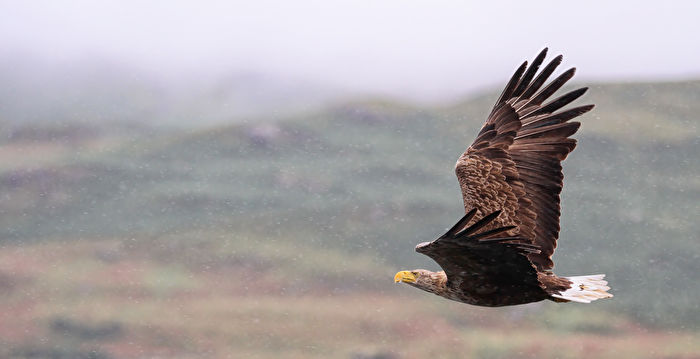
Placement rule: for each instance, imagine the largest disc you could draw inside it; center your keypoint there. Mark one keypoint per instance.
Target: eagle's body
(500, 252)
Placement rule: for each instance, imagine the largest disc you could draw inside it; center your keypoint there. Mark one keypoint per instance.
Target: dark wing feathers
(461, 223)
(492, 232)
(511, 86)
(529, 74)
(555, 118)
(557, 103)
(474, 259)
(538, 81)
(514, 165)
(479, 224)
(559, 130)
(547, 91)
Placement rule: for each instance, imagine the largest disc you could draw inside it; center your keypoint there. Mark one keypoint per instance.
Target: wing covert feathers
(462, 234)
(514, 164)
(486, 266)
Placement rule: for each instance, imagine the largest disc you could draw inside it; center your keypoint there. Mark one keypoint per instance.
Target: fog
(429, 51)
(244, 179)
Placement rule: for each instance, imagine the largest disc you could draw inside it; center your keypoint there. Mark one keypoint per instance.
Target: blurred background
(243, 179)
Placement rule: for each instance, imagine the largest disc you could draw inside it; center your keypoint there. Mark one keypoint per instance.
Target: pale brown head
(433, 282)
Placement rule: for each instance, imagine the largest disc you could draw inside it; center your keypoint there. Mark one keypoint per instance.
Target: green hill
(373, 178)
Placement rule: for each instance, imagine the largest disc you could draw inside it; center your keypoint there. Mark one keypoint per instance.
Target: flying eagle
(500, 252)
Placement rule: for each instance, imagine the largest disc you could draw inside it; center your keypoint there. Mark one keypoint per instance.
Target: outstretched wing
(484, 264)
(514, 165)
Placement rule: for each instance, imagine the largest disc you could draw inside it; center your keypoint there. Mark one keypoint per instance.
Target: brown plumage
(500, 252)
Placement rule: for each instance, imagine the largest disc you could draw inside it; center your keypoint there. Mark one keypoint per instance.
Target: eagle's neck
(438, 282)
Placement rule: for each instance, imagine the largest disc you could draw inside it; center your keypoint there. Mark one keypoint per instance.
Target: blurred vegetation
(333, 202)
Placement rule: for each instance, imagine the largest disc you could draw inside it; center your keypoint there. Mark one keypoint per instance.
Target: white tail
(585, 289)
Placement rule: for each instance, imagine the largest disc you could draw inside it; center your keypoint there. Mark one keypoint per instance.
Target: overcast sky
(420, 49)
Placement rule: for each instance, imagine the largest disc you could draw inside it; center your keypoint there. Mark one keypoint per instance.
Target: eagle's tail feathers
(585, 289)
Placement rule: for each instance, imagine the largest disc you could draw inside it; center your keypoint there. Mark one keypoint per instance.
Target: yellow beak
(405, 276)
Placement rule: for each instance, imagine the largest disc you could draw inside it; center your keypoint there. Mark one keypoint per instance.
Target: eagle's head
(433, 282)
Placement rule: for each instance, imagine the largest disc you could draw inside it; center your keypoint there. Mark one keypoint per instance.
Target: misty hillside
(373, 178)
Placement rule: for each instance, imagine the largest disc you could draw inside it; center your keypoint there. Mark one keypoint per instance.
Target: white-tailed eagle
(500, 252)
